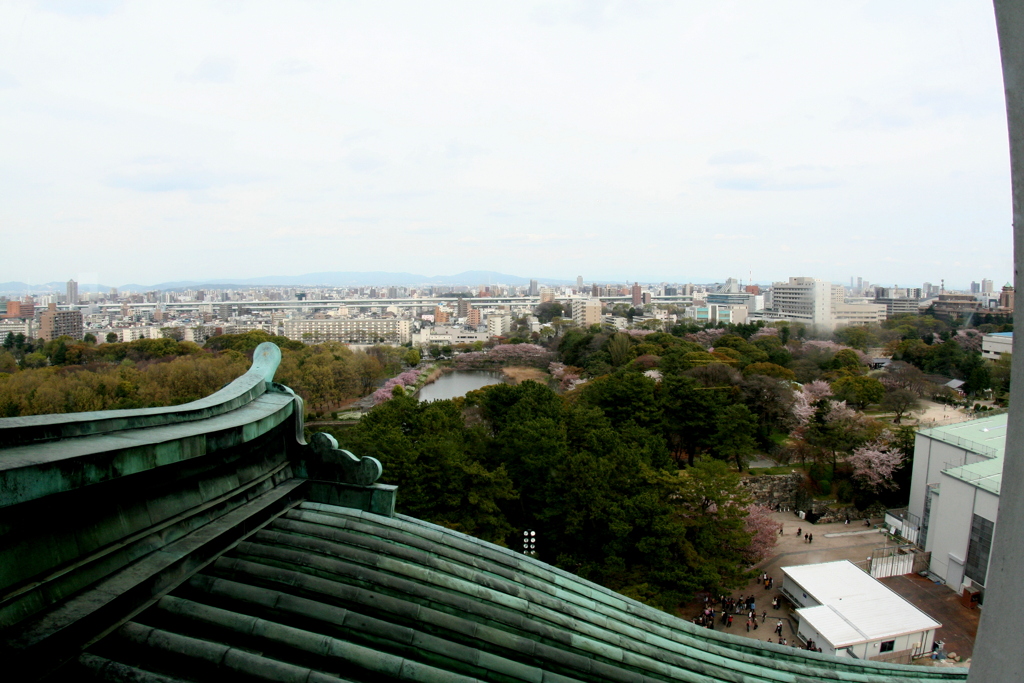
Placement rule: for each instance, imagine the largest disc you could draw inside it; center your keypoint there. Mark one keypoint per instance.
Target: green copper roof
(210, 542)
(985, 436)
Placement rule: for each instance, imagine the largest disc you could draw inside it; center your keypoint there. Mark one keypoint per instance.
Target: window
(887, 646)
(978, 549)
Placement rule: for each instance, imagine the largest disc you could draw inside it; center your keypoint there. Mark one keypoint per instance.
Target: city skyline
(207, 140)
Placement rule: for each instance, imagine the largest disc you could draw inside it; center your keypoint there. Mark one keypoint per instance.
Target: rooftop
(855, 607)
(984, 436)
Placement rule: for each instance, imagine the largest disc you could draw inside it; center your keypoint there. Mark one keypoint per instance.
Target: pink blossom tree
(809, 394)
(764, 531)
(875, 462)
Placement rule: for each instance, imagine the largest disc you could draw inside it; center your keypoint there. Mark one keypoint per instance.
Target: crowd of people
(724, 609)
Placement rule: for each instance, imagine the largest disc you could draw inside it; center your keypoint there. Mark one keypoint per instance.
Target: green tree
(89, 338)
(734, 439)
(900, 402)
(858, 390)
(620, 348)
(112, 337)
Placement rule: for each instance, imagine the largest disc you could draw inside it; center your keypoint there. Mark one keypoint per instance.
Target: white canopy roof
(855, 607)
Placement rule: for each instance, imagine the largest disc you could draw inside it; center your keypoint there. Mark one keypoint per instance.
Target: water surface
(458, 383)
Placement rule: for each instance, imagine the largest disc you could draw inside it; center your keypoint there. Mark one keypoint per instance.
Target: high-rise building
(579, 284)
(534, 288)
(72, 293)
(803, 299)
(464, 308)
(636, 296)
(473, 317)
(547, 294)
(586, 312)
(54, 323)
(986, 286)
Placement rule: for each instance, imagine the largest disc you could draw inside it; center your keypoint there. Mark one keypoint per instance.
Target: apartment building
(54, 323)
(586, 312)
(350, 330)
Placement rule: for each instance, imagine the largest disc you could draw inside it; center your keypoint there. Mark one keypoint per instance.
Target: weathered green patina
(210, 540)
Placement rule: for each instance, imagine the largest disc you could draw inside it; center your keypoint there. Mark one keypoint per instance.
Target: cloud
(362, 161)
(736, 157)
(80, 8)
(294, 67)
(460, 150)
(213, 70)
(155, 174)
(534, 238)
(7, 80)
(863, 116)
(730, 238)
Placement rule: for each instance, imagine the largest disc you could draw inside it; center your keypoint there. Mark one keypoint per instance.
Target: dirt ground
(521, 374)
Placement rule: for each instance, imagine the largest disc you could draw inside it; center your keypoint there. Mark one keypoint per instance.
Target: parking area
(853, 542)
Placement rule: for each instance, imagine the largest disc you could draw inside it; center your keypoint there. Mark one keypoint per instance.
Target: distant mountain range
(331, 279)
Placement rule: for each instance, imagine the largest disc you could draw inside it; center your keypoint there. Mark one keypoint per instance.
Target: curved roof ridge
(710, 642)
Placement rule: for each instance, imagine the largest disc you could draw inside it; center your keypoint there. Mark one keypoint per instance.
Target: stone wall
(777, 491)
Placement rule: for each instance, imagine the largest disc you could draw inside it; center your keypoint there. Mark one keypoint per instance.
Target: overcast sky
(680, 141)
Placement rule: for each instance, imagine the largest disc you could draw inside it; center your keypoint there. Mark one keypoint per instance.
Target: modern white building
(857, 314)
(996, 344)
(499, 324)
(954, 491)
(847, 613)
(715, 313)
(448, 335)
(802, 299)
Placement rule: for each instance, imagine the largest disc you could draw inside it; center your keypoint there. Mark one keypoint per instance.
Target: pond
(458, 383)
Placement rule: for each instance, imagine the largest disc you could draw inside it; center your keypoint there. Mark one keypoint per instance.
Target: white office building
(996, 344)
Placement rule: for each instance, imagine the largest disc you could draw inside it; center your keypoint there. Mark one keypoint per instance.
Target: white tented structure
(849, 614)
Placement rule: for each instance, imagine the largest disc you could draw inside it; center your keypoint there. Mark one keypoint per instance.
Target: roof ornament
(353, 470)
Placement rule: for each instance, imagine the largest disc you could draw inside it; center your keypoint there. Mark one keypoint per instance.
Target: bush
(844, 491)
(826, 486)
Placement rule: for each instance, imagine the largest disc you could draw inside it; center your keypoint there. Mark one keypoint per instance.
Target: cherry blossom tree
(874, 463)
(764, 531)
(504, 355)
(403, 380)
(807, 397)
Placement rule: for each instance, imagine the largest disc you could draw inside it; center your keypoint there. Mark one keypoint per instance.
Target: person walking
(778, 628)
(748, 625)
(805, 538)
(729, 623)
(810, 538)
(764, 616)
(798, 530)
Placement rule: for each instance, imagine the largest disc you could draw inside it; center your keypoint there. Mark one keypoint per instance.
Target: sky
(618, 140)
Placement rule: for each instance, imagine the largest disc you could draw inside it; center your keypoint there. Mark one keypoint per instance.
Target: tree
(900, 401)
(769, 370)
(858, 390)
(763, 530)
(412, 357)
(89, 338)
(874, 463)
(835, 429)
(620, 348)
(734, 439)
